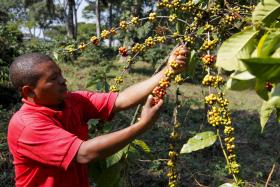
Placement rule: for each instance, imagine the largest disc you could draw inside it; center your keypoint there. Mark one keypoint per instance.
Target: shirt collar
(42, 109)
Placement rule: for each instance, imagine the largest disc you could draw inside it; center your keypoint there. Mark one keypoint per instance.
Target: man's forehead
(47, 67)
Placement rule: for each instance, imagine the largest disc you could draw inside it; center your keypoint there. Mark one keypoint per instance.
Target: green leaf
(278, 114)
(268, 44)
(56, 55)
(113, 159)
(241, 81)
(192, 64)
(239, 85)
(111, 177)
(264, 68)
(245, 75)
(107, 87)
(133, 154)
(199, 141)
(266, 110)
(240, 45)
(266, 12)
(276, 54)
(144, 147)
(99, 85)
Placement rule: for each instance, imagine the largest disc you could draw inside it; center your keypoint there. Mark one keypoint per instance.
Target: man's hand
(178, 55)
(150, 113)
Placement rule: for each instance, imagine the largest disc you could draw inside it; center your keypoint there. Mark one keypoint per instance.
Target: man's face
(51, 88)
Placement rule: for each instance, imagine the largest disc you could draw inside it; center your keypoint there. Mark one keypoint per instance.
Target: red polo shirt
(44, 142)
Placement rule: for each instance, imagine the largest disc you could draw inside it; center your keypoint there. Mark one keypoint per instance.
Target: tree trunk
(110, 7)
(70, 19)
(97, 13)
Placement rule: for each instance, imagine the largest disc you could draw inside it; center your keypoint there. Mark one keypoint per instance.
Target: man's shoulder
(24, 117)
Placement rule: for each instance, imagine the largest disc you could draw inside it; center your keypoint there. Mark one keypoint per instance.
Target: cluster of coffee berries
(114, 88)
(149, 42)
(135, 20)
(169, 73)
(138, 48)
(123, 25)
(94, 40)
(105, 34)
(229, 19)
(123, 51)
(208, 28)
(177, 5)
(268, 86)
(173, 156)
(172, 17)
(209, 44)
(171, 164)
(189, 39)
(82, 46)
(208, 60)
(179, 79)
(152, 16)
(159, 92)
(219, 115)
(212, 80)
(160, 39)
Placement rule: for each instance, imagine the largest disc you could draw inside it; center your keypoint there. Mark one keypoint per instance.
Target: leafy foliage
(264, 62)
(199, 141)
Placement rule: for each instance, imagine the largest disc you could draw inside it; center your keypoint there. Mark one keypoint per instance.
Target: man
(48, 136)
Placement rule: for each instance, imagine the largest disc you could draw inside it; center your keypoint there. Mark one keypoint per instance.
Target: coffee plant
(253, 54)
(251, 50)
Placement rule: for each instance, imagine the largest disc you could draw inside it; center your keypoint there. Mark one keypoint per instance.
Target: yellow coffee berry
(82, 46)
(114, 88)
(152, 16)
(149, 42)
(178, 79)
(94, 40)
(105, 34)
(172, 17)
(138, 48)
(135, 20)
(160, 39)
(169, 73)
(113, 31)
(208, 60)
(118, 79)
(123, 25)
(172, 154)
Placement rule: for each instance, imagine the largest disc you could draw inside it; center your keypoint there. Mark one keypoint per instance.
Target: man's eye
(53, 78)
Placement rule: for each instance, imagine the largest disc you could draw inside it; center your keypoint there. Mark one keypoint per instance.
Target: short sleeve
(47, 143)
(98, 105)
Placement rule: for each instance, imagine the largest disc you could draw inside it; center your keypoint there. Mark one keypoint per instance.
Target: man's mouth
(63, 89)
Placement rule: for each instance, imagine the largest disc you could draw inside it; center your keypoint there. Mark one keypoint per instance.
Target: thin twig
(225, 155)
(270, 174)
(162, 159)
(199, 183)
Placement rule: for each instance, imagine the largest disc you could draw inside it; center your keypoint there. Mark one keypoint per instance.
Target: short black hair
(22, 70)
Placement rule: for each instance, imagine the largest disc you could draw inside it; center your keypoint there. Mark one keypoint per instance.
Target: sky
(79, 12)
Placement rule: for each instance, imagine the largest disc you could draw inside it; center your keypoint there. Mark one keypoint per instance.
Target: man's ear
(27, 91)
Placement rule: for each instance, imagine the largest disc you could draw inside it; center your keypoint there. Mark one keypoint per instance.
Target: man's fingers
(180, 57)
(158, 105)
(149, 101)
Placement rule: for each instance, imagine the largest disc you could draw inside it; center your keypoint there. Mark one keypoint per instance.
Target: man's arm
(105, 145)
(137, 93)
